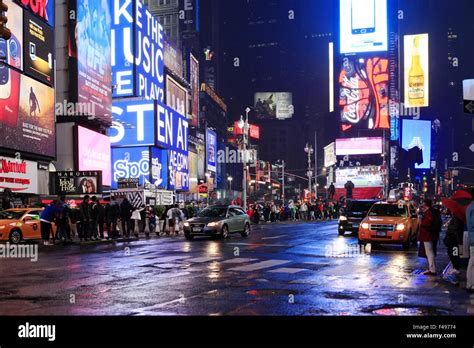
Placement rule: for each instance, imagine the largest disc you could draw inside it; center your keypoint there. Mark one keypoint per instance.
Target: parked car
(17, 225)
(353, 214)
(218, 221)
(390, 222)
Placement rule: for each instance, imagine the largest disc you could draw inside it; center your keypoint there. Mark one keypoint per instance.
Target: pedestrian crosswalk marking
(203, 259)
(288, 270)
(166, 259)
(259, 265)
(239, 260)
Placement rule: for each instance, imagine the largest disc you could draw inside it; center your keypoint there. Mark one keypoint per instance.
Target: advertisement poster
(194, 81)
(201, 161)
(9, 98)
(77, 182)
(38, 49)
(128, 163)
(159, 168)
(18, 175)
(211, 144)
(173, 57)
(12, 48)
(271, 105)
(93, 153)
(416, 139)
(176, 96)
(133, 123)
(28, 124)
(93, 42)
(138, 58)
(363, 93)
(363, 26)
(468, 96)
(42, 8)
(179, 170)
(369, 176)
(417, 83)
(330, 155)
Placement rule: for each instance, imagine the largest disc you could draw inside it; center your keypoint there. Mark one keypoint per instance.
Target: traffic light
(5, 33)
(425, 184)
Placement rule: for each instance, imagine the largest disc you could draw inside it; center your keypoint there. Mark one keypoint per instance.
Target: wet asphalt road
(284, 269)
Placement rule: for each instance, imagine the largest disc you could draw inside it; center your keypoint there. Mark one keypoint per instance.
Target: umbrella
(458, 203)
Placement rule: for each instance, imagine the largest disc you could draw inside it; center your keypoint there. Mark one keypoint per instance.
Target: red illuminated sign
(38, 7)
(254, 131)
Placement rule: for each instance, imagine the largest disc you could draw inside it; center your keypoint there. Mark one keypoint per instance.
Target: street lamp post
(229, 179)
(309, 150)
(244, 125)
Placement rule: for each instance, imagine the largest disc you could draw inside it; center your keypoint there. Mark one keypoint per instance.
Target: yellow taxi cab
(390, 223)
(17, 225)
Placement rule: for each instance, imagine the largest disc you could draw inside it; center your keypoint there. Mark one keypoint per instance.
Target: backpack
(437, 222)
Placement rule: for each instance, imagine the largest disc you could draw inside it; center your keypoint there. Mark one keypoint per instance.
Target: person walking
(94, 214)
(453, 240)
(84, 214)
(48, 215)
(331, 191)
(426, 238)
(137, 219)
(151, 217)
(64, 230)
(126, 210)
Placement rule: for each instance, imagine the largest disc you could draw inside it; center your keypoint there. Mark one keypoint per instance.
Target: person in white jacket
(136, 218)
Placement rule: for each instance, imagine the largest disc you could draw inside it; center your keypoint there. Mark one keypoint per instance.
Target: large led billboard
(42, 8)
(159, 168)
(363, 26)
(468, 95)
(171, 129)
(27, 116)
(359, 146)
(416, 62)
(363, 93)
(128, 163)
(12, 49)
(93, 153)
(274, 105)
(361, 177)
(211, 150)
(416, 139)
(38, 49)
(133, 123)
(330, 155)
(138, 58)
(173, 57)
(92, 47)
(176, 96)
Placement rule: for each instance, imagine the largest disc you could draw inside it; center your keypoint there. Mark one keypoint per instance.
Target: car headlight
(365, 226)
(400, 227)
(212, 224)
(2, 227)
(186, 224)
(342, 218)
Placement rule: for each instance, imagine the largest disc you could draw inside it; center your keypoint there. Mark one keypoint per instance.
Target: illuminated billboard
(211, 150)
(363, 93)
(89, 40)
(194, 81)
(416, 140)
(93, 153)
(363, 26)
(176, 96)
(42, 8)
(133, 123)
(159, 168)
(12, 49)
(274, 105)
(359, 146)
(173, 57)
(416, 62)
(27, 116)
(330, 155)
(361, 177)
(138, 58)
(128, 163)
(254, 131)
(38, 49)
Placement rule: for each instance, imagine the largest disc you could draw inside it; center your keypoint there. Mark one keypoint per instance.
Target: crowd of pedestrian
(268, 212)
